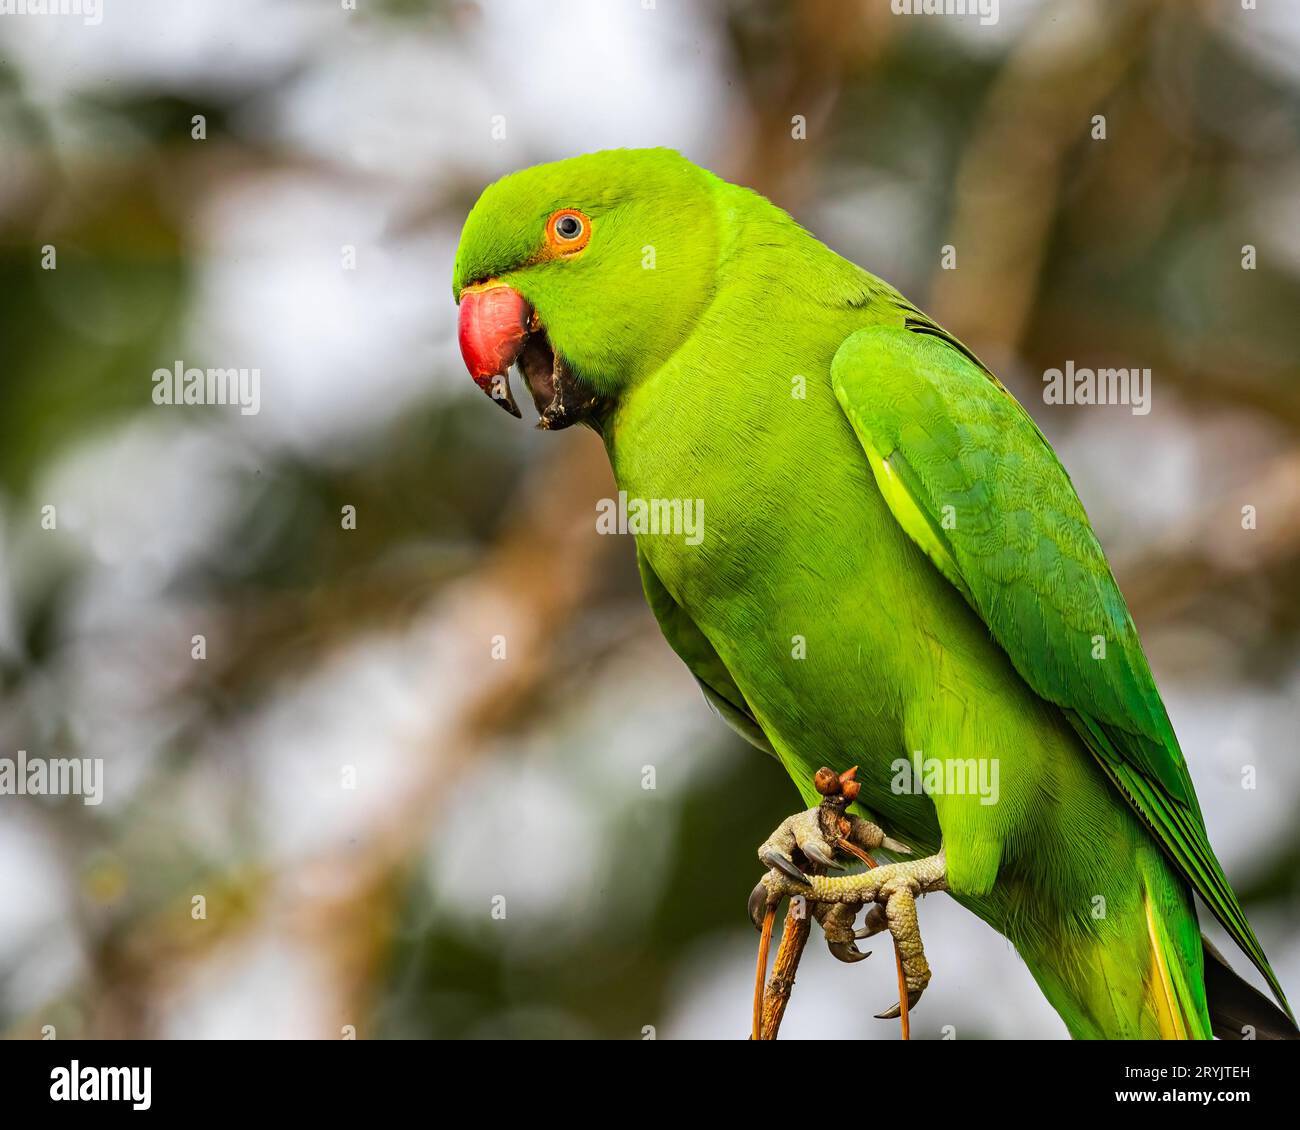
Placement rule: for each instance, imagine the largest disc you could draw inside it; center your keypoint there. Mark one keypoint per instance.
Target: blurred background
(393, 832)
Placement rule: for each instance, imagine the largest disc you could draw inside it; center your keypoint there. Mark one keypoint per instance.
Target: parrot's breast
(797, 574)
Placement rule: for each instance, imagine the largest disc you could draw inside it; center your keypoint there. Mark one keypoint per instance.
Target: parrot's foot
(814, 835)
(806, 844)
(890, 892)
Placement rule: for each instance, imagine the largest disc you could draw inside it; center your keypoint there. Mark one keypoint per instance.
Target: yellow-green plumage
(893, 561)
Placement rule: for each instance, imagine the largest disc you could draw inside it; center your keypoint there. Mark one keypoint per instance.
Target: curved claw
(784, 864)
(819, 855)
(894, 1011)
(847, 952)
(874, 923)
(896, 846)
(758, 904)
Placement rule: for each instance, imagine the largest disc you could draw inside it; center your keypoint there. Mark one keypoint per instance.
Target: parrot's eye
(568, 231)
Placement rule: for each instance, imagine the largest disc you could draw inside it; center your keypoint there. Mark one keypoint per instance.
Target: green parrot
(893, 570)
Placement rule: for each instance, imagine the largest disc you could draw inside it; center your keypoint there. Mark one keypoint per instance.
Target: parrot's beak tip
(499, 329)
(500, 392)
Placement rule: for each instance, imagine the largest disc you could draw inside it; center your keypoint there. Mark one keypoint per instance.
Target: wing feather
(971, 479)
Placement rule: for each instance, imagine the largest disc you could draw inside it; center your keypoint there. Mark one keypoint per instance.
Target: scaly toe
(806, 828)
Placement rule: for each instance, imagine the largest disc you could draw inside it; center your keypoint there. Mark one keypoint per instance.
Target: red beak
(493, 326)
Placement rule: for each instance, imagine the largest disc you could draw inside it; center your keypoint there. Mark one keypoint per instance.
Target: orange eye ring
(567, 232)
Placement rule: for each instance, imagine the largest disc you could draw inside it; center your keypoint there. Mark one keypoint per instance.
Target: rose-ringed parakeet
(894, 571)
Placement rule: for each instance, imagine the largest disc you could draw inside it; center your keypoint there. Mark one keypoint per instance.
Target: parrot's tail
(1182, 992)
(1179, 1008)
(1238, 1010)
(1151, 975)
(1134, 971)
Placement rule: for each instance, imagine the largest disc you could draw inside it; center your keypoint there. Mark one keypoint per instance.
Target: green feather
(1024, 555)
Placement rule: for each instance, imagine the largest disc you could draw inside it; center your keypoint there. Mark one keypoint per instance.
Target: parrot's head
(587, 274)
